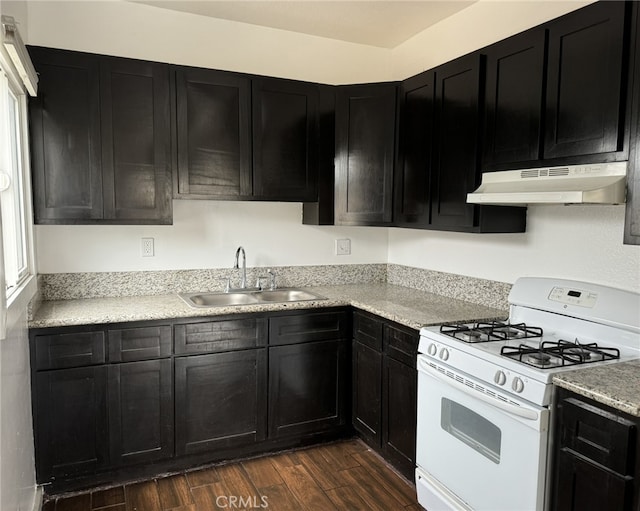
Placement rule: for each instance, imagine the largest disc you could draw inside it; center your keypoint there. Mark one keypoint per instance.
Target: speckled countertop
(406, 306)
(615, 385)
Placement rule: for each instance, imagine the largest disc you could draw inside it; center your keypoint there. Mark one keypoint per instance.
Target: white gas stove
(484, 390)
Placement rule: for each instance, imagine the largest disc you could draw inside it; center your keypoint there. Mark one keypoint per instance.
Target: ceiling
(382, 23)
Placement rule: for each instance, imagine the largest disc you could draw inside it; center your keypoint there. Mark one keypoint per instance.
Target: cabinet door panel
(136, 140)
(307, 388)
(65, 136)
(312, 326)
(412, 174)
(140, 412)
(584, 486)
(584, 84)
(213, 130)
(220, 400)
(365, 128)
(456, 159)
(399, 402)
(76, 349)
(367, 393)
(513, 101)
(142, 343)
(71, 417)
(285, 140)
(223, 335)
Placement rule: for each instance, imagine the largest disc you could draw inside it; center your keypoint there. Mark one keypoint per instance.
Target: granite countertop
(409, 307)
(615, 385)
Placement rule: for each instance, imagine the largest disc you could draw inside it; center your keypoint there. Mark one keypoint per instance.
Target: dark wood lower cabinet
(385, 388)
(140, 411)
(220, 400)
(307, 388)
(596, 455)
(71, 421)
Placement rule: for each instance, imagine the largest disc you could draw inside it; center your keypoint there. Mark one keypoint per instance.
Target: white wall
(205, 234)
(17, 466)
(575, 242)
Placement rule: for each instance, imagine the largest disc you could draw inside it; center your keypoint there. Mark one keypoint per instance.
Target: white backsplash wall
(574, 242)
(206, 234)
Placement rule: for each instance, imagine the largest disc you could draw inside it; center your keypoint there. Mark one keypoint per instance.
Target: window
(13, 186)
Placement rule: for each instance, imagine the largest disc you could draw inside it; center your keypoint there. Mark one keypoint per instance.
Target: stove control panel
(570, 296)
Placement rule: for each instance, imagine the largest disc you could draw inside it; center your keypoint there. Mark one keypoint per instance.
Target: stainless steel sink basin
(286, 295)
(199, 300)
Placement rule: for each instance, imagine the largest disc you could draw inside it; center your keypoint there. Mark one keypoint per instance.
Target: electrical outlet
(147, 247)
(343, 246)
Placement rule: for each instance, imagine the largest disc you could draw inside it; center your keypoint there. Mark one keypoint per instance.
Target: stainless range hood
(602, 183)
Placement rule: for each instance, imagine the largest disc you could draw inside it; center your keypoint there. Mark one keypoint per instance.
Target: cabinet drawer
(132, 344)
(315, 326)
(401, 344)
(367, 329)
(599, 435)
(69, 350)
(217, 336)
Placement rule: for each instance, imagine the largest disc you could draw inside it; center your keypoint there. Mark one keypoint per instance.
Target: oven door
(477, 448)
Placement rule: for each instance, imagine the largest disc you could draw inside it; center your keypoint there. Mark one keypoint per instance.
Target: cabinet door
(365, 128)
(140, 412)
(513, 99)
(221, 400)
(399, 416)
(307, 388)
(65, 137)
(136, 141)
(584, 486)
(584, 82)
(285, 140)
(632, 211)
(70, 422)
(367, 393)
(455, 170)
(213, 133)
(412, 174)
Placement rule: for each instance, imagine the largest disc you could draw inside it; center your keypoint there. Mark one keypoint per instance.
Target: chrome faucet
(243, 280)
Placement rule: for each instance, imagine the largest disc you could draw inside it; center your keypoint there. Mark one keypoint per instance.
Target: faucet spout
(243, 279)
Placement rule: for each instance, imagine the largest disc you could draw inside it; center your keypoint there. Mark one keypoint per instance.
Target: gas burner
(539, 359)
(490, 331)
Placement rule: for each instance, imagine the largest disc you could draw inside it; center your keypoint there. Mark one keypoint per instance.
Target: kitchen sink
(254, 297)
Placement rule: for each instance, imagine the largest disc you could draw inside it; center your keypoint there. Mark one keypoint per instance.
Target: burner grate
(490, 331)
(559, 354)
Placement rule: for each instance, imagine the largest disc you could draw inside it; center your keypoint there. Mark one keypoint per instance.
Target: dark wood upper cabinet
(586, 81)
(65, 137)
(514, 100)
(285, 139)
(456, 163)
(412, 176)
(632, 213)
(365, 130)
(101, 140)
(213, 132)
(136, 140)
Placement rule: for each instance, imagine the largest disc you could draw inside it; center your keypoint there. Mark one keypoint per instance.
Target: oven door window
(474, 430)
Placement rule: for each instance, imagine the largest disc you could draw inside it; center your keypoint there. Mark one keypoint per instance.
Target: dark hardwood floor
(341, 476)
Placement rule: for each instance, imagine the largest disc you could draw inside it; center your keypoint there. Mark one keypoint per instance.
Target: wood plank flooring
(344, 476)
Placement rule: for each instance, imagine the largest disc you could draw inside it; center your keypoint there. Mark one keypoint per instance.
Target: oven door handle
(525, 413)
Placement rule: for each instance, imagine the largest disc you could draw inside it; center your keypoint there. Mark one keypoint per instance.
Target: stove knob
(432, 349)
(517, 384)
(444, 354)
(500, 378)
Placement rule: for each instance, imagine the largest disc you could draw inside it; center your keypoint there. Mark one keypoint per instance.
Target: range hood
(602, 183)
